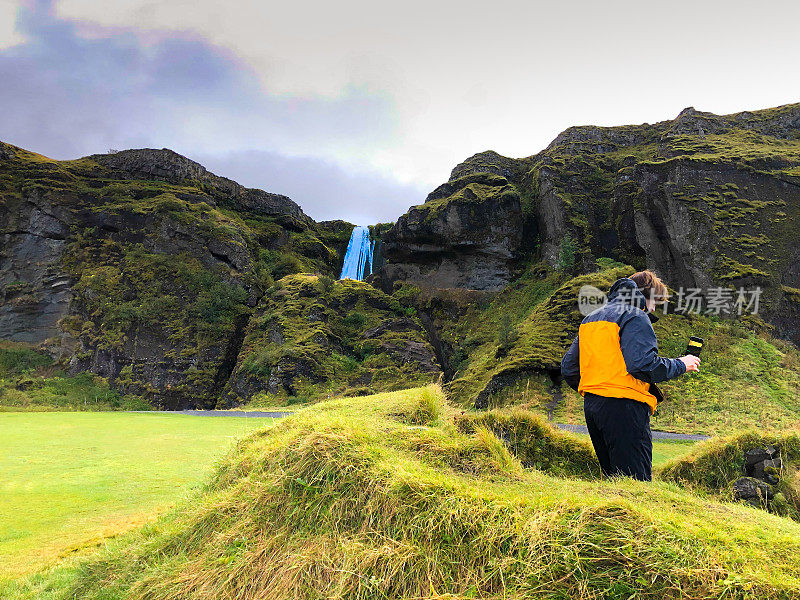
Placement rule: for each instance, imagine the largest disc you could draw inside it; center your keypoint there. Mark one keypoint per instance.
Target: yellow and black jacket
(615, 353)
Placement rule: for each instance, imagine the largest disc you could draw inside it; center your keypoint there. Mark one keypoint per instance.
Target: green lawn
(69, 480)
(664, 450)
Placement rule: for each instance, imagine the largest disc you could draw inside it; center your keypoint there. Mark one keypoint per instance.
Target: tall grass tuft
(714, 465)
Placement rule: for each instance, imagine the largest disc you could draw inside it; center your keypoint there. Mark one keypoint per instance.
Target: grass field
(399, 495)
(70, 480)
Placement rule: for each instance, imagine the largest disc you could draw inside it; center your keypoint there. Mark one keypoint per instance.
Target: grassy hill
(386, 497)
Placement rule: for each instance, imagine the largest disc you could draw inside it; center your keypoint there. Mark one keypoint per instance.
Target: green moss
(475, 188)
(31, 381)
(163, 270)
(329, 339)
(728, 269)
(791, 292)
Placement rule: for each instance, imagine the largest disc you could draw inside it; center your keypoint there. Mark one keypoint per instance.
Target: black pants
(620, 432)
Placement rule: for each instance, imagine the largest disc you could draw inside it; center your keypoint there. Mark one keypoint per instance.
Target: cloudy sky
(356, 109)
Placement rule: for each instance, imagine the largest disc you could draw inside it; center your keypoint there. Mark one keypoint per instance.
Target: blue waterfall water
(358, 258)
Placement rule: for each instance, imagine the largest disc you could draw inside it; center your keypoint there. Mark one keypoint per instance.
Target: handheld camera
(694, 346)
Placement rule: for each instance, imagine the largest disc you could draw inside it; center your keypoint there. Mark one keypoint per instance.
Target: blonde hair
(649, 284)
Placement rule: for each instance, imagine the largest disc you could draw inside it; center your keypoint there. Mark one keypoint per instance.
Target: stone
(458, 239)
(756, 455)
(753, 491)
(770, 470)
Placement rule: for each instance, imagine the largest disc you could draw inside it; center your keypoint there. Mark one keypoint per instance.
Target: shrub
(507, 334)
(567, 252)
(16, 359)
(355, 319)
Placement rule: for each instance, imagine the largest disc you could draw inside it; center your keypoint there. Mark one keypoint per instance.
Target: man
(614, 364)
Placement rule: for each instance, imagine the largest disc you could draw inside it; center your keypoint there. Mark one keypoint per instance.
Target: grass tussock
(714, 465)
(536, 443)
(345, 500)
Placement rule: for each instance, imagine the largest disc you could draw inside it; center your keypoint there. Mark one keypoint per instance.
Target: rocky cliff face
(468, 234)
(707, 201)
(143, 267)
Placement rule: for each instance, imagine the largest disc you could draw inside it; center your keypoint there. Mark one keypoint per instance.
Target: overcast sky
(356, 109)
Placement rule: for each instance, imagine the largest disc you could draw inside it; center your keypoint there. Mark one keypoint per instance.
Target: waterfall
(358, 258)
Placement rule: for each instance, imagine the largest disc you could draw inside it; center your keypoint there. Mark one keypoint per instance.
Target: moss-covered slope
(505, 349)
(312, 337)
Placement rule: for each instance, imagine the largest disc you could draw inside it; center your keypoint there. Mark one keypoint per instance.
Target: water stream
(358, 258)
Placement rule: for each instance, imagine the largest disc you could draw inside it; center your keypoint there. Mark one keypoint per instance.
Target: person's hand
(691, 361)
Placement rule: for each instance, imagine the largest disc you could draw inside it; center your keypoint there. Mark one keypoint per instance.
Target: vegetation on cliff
(183, 287)
(30, 381)
(313, 337)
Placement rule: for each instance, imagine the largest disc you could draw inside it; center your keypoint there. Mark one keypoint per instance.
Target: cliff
(143, 267)
(705, 200)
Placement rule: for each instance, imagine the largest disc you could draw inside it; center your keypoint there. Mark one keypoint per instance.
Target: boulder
(755, 456)
(752, 491)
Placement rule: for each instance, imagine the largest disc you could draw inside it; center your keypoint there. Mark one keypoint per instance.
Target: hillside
(145, 269)
(705, 200)
(185, 288)
(391, 496)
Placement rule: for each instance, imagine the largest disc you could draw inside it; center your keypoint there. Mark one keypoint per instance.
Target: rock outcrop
(468, 234)
(126, 265)
(762, 468)
(167, 165)
(707, 201)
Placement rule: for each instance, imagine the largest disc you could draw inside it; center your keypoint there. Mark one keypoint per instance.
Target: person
(614, 364)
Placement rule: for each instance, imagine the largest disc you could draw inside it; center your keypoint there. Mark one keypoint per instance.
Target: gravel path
(220, 413)
(657, 435)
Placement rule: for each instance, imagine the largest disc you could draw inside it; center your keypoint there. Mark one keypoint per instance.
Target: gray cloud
(66, 95)
(359, 197)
